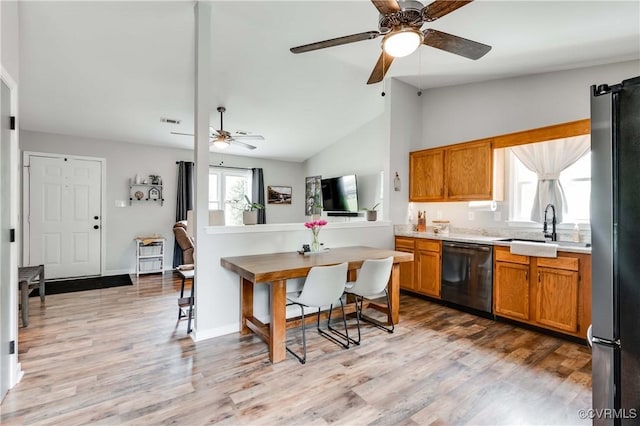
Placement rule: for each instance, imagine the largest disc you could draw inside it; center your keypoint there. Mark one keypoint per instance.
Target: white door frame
(15, 374)
(26, 208)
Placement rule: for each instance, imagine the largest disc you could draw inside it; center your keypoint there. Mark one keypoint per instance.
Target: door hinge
(12, 235)
(12, 123)
(12, 347)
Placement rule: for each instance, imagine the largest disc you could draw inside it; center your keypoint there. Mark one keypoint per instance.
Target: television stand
(343, 214)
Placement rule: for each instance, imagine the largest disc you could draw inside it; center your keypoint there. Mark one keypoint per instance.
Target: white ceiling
(110, 70)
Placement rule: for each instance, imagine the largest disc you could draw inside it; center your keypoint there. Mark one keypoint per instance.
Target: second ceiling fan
(221, 139)
(400, 24)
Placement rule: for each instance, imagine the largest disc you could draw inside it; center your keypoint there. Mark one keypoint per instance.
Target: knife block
(422, 224)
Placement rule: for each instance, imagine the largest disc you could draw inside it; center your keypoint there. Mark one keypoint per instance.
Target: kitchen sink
(560, 243)
(509, 240)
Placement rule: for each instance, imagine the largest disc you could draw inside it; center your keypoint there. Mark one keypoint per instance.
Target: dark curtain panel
(257, 193)
(184, 201)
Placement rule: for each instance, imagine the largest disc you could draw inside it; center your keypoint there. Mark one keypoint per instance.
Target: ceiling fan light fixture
(221, 143)
(402, 42)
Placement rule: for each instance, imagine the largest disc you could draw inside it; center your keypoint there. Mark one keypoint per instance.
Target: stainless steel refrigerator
(615, 235)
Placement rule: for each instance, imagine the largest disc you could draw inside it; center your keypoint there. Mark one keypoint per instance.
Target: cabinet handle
(538, 276)
(526, 275)
(95, 227)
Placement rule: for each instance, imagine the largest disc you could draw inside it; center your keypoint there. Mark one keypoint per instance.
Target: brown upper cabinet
(462, 172)
(474, 170)
(426, 175)
(469, 171)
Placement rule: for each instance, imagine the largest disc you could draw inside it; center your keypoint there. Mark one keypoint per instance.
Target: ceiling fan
(221, 139)
(400, 24)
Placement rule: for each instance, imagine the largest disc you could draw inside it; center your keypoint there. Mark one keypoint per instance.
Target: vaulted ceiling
(111, 70)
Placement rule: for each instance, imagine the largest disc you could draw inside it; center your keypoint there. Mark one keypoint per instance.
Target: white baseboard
(199, 335)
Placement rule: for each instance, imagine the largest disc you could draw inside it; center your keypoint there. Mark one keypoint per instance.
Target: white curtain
(547, 160)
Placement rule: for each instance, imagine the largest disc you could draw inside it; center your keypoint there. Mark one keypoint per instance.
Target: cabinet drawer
(560, 262)
(505, 255)
(428, 245)
(404, 243)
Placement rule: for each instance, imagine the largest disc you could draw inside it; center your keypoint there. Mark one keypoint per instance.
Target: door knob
(96, 227)
(96, 217)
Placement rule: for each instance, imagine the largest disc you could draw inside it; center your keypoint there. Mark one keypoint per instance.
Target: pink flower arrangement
(315, 226)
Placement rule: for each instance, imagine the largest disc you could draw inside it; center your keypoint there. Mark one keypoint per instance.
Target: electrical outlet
(497, 216)
(471, 216)
(439, 214)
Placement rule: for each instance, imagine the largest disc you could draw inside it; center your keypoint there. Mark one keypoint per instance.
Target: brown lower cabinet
(553, 293)
(423, 274)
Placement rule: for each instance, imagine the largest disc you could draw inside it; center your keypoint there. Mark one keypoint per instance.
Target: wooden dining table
(274, 269)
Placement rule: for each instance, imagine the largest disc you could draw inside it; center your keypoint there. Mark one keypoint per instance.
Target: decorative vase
(372, 215)
(250, 217)
(315, 244)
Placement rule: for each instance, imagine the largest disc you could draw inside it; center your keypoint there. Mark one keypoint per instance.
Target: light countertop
(566, 246)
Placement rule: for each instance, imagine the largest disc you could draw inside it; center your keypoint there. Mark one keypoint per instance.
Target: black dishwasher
(467, 275)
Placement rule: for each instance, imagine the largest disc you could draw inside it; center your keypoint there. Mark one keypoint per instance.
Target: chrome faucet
(553, 235)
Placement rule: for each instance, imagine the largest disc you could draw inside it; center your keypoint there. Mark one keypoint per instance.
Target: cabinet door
(426, 175)
(406, 273)
(469, 171)
(406, 245)
(511, 290)
(557, 299)
(428, 271)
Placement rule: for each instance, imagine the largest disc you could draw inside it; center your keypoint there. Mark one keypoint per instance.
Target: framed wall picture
(312, 195)
(279, 194)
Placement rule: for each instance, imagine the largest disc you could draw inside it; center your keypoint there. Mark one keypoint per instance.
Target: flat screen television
(340, 194)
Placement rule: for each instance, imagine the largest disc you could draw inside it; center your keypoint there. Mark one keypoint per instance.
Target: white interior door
(65, 215)
(5, 244)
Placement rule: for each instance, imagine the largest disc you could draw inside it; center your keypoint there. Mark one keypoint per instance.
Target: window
(576, 183)
(225, 186)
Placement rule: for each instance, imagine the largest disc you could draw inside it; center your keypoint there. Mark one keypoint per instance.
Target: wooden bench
(27, 281)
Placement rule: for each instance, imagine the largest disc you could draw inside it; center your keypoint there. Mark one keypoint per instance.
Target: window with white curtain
(225, 186)
(576, 183)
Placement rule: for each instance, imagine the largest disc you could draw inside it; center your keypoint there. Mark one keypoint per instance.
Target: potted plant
(372, 214)
(250, 213)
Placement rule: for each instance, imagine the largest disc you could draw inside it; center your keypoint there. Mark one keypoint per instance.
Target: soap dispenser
(575, 235)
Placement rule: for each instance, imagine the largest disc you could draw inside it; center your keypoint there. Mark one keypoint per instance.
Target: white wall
(406, 131)
(474, 111)
(9, 36)
(363, 152)
(125, 160)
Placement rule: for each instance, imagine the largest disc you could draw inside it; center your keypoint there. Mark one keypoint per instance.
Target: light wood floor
(116, 356)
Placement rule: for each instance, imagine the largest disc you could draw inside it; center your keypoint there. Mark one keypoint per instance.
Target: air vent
(170, 120)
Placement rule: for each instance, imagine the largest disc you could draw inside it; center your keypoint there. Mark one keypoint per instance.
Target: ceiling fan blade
(386, 6)
(440, 8)
(381, 68)
(181, 134)
(454, 44)
(369, 35)
(246, 145)
(248, 137)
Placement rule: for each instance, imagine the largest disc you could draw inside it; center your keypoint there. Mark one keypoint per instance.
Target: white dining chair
(323, 287)
(371, 283)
